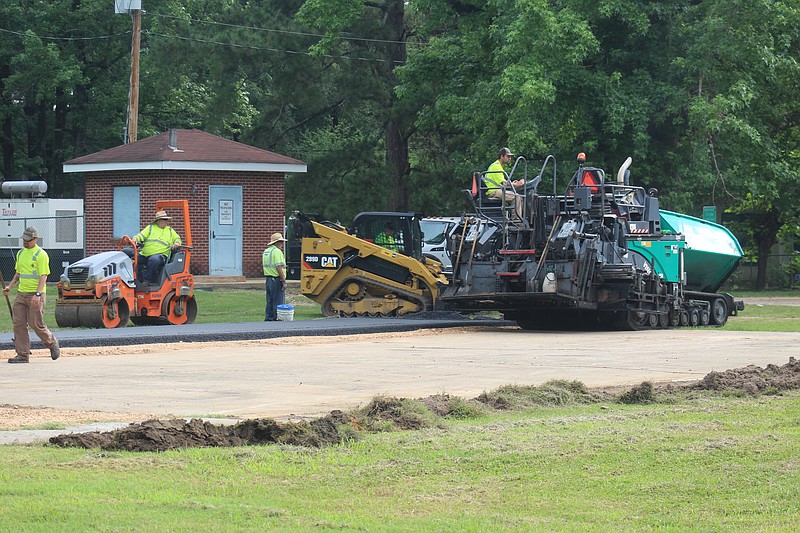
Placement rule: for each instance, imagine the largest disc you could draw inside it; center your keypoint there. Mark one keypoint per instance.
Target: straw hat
(276, 237)
(162, 215)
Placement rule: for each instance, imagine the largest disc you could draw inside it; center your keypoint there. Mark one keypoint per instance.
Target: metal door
(225, 230)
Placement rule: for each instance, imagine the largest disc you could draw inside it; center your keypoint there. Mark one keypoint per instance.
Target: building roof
(185, 150)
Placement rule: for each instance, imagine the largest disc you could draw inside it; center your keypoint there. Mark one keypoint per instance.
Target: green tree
(377, 48)
(58, 63)
(702, 94)
(495, 73)
(743, 77)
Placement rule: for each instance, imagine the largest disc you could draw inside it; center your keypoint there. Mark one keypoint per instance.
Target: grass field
(698, 461)
(237, 305)
(690, 464)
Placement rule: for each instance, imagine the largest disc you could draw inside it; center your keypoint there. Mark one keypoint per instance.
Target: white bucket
(549, 284)
(286, 312)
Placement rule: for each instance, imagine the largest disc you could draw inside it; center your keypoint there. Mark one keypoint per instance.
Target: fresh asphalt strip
(239, 331)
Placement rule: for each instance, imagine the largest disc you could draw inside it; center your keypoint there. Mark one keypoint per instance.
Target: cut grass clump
(389, 414)
(454, 407)
(552, 393)
(643, 393)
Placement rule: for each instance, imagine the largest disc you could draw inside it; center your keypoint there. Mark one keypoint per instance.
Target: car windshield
(434, 231)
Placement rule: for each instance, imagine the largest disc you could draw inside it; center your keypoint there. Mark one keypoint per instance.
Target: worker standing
(274, 264)
(31, 270)
(157, 242)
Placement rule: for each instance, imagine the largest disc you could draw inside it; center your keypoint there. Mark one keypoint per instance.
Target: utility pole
(134, 9)
(133, 120)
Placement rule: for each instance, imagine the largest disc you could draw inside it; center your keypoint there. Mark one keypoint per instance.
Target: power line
(267, 49)
(287, 32)
(204, 41)
(52, 38)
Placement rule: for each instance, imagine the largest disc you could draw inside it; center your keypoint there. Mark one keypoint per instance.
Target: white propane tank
(549, 284)
(24, 187)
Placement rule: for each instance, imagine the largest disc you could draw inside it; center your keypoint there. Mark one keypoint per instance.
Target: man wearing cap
(274, 265)
(495, 178)
(31, 271)
(156, 242)
(386, 238)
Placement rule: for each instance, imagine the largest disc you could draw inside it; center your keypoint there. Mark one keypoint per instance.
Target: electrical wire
(267, 49)
(52, 38)
(204, 41)
(286, 32)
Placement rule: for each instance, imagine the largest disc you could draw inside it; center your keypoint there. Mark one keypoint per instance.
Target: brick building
(235, 194)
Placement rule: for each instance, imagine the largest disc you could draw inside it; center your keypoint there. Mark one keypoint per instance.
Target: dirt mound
(439, 404)
(162, 435)
(753, 379)
(386, 414)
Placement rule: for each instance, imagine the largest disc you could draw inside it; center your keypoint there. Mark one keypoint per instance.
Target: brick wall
(262, 208)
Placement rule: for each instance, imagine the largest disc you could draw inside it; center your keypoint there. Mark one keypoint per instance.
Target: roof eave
(187, 165)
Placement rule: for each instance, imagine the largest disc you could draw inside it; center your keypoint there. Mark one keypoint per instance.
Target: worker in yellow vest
(386, 238)
(496, 178)
(155, 243)
(31, 271)
(274, 264)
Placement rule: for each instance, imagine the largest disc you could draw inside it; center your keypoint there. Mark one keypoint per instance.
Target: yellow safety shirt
(387, 241)
(495, 176)
(157, 240)
(32, 263)
(271, 259)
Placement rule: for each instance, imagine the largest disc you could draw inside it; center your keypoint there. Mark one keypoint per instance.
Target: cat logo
(312, 261)
(329, 261)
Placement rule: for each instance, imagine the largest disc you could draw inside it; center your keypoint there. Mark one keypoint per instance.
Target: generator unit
(60, 223)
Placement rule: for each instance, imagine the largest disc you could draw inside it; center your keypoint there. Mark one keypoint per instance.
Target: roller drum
(90, 316)
(67, 316)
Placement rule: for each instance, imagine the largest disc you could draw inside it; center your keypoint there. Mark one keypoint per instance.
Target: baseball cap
(30, 234)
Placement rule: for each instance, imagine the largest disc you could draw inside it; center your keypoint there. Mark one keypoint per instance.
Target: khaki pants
(26, 314)
(518, 199)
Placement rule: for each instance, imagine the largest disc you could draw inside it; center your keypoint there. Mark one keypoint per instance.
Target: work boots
(55, 350)
(55, 353)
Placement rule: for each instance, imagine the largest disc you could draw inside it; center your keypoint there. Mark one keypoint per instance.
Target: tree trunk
(397, 126)
(765, 232)
(764, 248)
(397, 160)
(7, 134)
(7, 143)
(59, 125)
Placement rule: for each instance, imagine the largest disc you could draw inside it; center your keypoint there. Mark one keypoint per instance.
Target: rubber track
(426, 303)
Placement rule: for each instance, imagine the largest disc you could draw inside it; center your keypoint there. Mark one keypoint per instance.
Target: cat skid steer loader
(352, 274)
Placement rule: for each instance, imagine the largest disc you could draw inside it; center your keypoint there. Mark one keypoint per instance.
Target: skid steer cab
(101, 291)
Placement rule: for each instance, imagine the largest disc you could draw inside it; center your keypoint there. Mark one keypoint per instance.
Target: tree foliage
(394, 104)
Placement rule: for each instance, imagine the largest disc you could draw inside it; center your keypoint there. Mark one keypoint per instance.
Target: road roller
(101, 291)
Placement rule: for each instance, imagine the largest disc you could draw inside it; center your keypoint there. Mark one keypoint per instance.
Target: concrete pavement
(313, 375)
